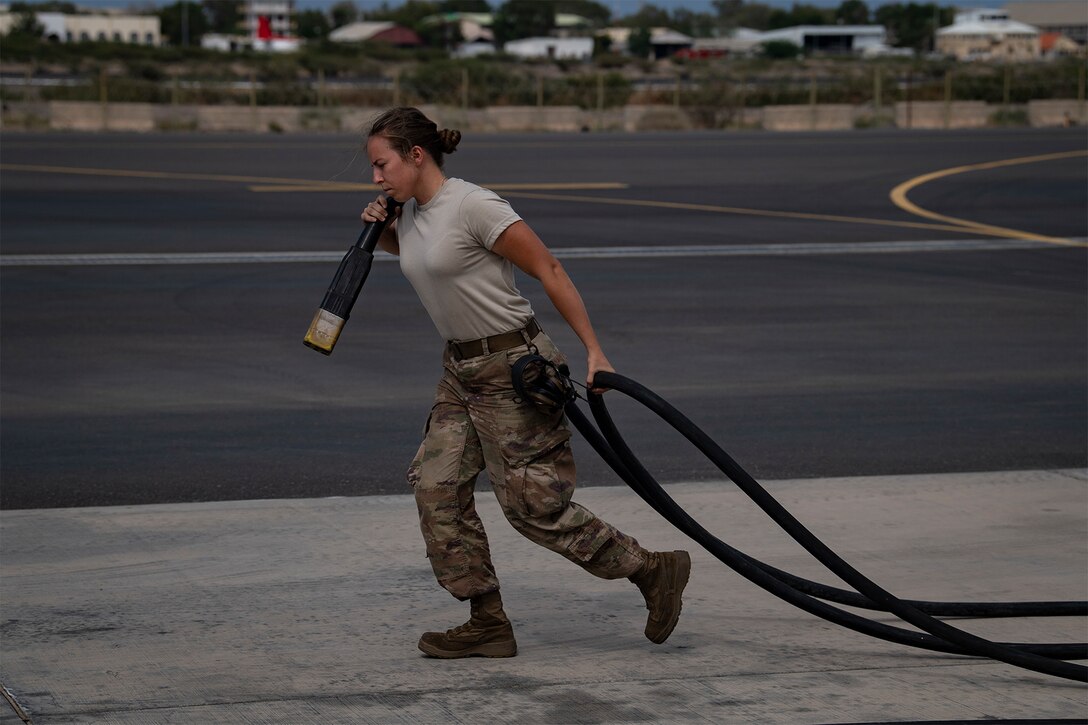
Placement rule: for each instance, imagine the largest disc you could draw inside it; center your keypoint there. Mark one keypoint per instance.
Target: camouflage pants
(477, 423)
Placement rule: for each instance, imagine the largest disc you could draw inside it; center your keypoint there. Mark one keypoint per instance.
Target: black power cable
(765, 576)
(949, 639)
(978, 610)
(552, 388)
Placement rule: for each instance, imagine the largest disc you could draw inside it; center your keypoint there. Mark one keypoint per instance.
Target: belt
(495, 343)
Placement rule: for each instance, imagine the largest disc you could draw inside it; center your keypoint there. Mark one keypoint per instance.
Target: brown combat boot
(487, 633)
(662, 580)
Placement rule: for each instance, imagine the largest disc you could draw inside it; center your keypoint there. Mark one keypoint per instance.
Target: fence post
(948, 99)
(1080, 93)
(103, 99)
(540, 89)
(878, 91)
(742, 102)
(253, 99)
(676, 93)
(320, 87)
(908, 98)
(600, 100)
(175, 90)
(812, 99)
(464, 90)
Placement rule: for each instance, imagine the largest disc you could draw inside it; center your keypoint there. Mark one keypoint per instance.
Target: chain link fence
(715, 94)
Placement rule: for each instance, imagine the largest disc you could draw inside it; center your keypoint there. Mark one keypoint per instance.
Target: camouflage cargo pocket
(544, 485)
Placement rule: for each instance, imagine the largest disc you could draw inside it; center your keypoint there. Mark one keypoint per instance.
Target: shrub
(780, 49)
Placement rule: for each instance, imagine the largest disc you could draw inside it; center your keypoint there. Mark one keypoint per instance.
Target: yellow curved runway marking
(276, 184)
(899, 198)
(684, 206)
(273, 184)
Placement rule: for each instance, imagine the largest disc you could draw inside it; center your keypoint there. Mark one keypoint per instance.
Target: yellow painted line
(273, 184)
(899, 198)
(323, 187)
(334, 187)
(741, 210)
(277, 184)
(135, 174)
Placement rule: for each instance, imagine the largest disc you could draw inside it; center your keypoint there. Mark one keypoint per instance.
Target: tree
(734, 14)
(648, 16)
(728, 12)
(913, 25)
(523, 19)
(700, 25)
(464, 6)
(638, 43)
(852, 12)
(595, 12)
(343, 12)
(313, 24)
(51, 6)
(408, 15)
(780, 49)
(804, 14)
(799, 14)
(222, 16)
(26, 25)
(183, 23)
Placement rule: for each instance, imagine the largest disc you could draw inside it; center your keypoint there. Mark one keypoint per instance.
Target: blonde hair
(405, 127)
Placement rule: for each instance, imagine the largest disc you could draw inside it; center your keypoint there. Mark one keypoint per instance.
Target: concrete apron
(299, 611)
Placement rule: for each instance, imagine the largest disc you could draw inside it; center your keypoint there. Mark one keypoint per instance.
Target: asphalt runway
(822, 304)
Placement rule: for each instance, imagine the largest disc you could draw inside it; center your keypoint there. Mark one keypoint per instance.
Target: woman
(458, 246)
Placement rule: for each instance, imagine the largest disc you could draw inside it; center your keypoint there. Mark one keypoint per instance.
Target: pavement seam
(10, 697)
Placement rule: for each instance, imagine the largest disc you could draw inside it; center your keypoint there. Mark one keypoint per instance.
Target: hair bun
(450, 138)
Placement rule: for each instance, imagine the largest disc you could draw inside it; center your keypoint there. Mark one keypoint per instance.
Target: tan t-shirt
(445, 252)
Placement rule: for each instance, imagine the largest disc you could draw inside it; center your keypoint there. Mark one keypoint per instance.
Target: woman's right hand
(376, 210)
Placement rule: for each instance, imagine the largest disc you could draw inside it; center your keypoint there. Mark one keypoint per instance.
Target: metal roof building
(548, 47)
(836, 39)
(988, 34)
(379, 32)
(1068, 17)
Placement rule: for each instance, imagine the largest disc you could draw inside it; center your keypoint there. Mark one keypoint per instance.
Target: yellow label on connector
(324, 331)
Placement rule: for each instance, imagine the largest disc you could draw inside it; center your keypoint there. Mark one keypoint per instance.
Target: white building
(111, 27)
(473, 49)
(557, 48)
(865, 40)
(473, 27)
(663, 41)
(741, 41)
(988, 35)
(279, 15)
(265, 26)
